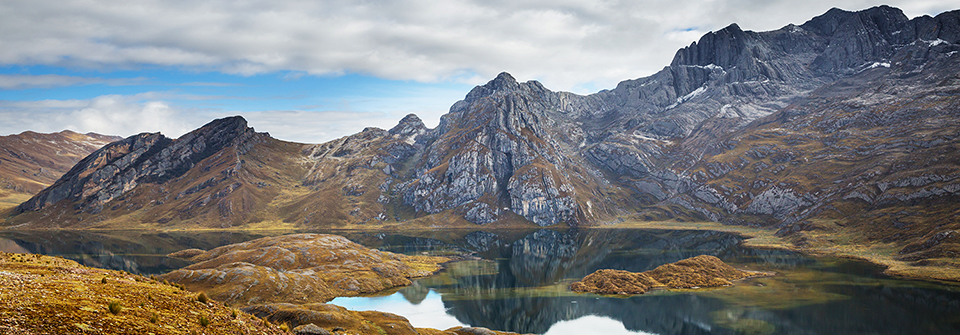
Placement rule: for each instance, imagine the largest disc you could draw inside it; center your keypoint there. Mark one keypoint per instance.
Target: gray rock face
(777, 202)
(310, 329)
(409, 128)
(495, 150)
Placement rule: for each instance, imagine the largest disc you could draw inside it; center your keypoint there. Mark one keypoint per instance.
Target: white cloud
(318, 127)
(564, 44)
(429, 313)
(108, 114)
(592, 324)
(126, 115)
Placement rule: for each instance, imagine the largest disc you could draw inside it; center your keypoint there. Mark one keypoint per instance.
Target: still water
(517, 280)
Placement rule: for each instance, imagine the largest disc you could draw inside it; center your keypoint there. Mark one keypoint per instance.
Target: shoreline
(880, 254)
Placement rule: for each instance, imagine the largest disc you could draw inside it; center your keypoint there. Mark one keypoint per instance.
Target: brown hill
(29, 161)
(297, 268)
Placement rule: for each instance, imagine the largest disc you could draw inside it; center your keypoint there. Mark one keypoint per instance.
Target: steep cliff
(499, 150)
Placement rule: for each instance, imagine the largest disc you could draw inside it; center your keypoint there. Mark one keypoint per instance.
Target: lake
(516, 280)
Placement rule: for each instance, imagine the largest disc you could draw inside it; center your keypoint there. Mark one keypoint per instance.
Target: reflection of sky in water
(429, 313)
(590, 324)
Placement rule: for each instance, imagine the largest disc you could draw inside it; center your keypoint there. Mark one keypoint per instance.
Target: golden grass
(12, 199)
(51, 295)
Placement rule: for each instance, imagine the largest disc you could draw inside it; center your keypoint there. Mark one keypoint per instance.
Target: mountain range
(842, 128)
(30, 161)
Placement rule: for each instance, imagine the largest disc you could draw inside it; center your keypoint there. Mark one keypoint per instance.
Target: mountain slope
(29, 161)
(203, 178)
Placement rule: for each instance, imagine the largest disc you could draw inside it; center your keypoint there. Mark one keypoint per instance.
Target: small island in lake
(695, 272)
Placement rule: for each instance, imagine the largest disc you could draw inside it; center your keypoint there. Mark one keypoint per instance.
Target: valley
(826, 154)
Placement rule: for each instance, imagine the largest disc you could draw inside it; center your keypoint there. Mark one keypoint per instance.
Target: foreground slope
(50, 295)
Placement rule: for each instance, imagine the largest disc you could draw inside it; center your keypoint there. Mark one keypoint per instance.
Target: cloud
(591, 324)
(564, 44)
(126, 115)
(55, 80)
(318, 126)
(108, 114)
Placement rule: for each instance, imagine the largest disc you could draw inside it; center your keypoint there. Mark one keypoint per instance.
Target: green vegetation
(204, 321)
(202, 297)
(114, 307)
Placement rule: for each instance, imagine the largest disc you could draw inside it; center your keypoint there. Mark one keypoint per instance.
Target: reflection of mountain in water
(545, 257)
(542, 257)
(134, 252)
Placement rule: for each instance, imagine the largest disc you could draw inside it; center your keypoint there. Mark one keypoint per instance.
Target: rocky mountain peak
(722, 48)
(504, 82)
(884, 17)
(409, 127)
(144, 158)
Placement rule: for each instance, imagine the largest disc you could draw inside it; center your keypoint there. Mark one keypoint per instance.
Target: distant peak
(410, 125)
(231, 122)
(733, 27)
(504, 82)
(236, 119)
(828, 23)
(411, 118)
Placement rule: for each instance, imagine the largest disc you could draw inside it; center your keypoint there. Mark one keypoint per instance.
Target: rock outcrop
(298, 268)
(698, 272)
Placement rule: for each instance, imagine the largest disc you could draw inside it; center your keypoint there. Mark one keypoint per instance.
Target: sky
(314, 70)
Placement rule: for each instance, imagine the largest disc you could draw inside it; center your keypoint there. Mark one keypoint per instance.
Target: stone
(310, 329)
